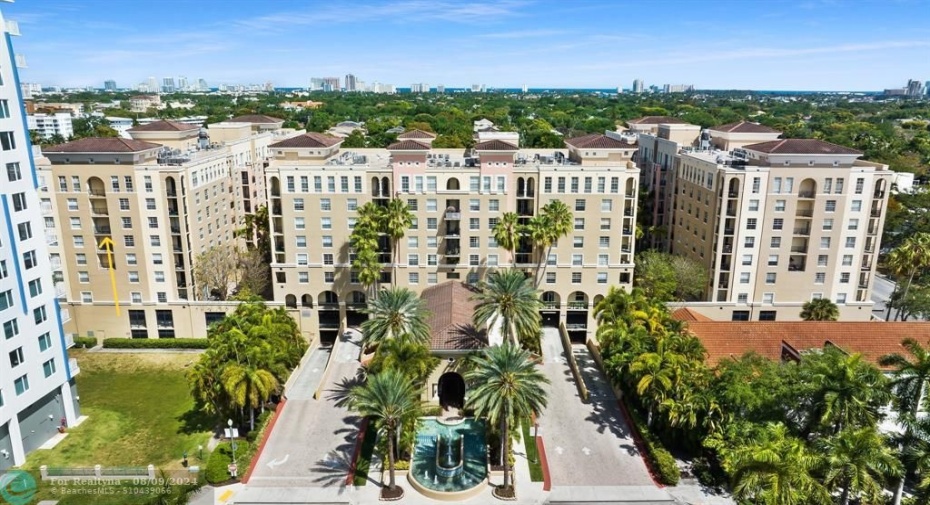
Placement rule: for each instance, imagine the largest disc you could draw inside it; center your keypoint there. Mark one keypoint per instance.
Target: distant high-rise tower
(440, 88)
(637, 86)
(202, 85)
(915, 88)
(524, 89)
(351, 82)
(151, 85)
(182, 84)
(37, 390)
(109, 85)
(167, 85)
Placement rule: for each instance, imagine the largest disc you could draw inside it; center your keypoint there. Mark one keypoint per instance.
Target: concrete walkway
(592, 456)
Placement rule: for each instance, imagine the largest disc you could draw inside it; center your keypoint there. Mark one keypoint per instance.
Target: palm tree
(553, 222)
(413, 360)
(912, 256)
(507, 296)
(848, 391)
(396, 313)
(656, 374)
(909, 385)
(507, 233)
(820, 309)
(368, 266)
(858, 461)
(364, 240)
(248, 386)
(389, 398)
(396, 219)
(774, 468)
(507, 387)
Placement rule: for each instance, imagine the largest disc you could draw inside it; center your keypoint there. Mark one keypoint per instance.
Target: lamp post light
(231, 439)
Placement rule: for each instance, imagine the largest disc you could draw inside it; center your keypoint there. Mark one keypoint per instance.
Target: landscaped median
(155, 343)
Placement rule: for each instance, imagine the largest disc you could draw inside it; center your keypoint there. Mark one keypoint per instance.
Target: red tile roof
(256, 119)
(800, 146)
(656, 120)
(599, 141)
(724, 339)
(102, 145)
(495, 145)
(744, 127)
(408, 145)
(309, 139)
(686, 314)
(451, 307)
(416, 134)
(164, 126)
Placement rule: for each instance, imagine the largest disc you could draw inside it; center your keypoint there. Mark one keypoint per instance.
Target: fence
(98, 472)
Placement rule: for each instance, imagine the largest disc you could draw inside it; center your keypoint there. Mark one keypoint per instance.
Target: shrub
(155, 343)
(661, 461)
(218, 463)
(84, 342)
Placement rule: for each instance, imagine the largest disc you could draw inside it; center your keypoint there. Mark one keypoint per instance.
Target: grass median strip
(536, 473)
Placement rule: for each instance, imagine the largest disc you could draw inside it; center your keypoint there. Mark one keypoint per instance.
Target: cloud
(523, 34)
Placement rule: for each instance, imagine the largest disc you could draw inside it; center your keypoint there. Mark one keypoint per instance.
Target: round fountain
(449, 462)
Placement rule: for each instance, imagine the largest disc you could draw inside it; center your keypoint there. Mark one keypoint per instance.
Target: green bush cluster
(155, 343)
(218, 463)
(84, 342)
(661, 461)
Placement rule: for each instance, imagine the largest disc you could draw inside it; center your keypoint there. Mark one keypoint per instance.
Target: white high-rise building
(37, 392)
(49, 125)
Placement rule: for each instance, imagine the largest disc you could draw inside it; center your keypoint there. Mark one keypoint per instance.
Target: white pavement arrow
(278, 462)
(559, 450)
(586, 451)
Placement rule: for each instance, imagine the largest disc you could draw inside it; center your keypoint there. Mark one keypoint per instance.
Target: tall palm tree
(552, 223)
(413, 360)
(848, 391)
(858, 461)
(911, 378)
(368, 266)
(389, 398)
(820, 309)
(396, 313)
(396, 220)
(507, 233)
(364, 241)
(248, 386)
(509, 297)
(507, 387)
(774, 468)
(909, 258)
(656, 374)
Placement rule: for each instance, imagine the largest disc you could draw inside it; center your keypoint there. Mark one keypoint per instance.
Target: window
(149, 204)
(770, 278)
(756, 181)
(773, 260)
(159, 276)
(747, 259)
(547, 185)
(21, 384)
(153, 222)
(744, 278)
(820, 277)
(607, 205)
(602, 260)
(433, 242)
(155, 240)
(847, 260)
(7, 141)
(768, 297)
(778, 223)
(432, 260)
(431, 205)
(741, 315)
(844, 278)
(751, 223)
(3, 270)
(413, 260)
(35, 288)
(83, 277)
(839, 186)
(587, 184)
(860, 183)
(831, 206)
(432, 278)
(822, 260)
(779, 205)
(87, 297)
(303, 259)
(841, 298)
(72, 204)
(298, 204)
(603, 241)
(326, 223)
(561, 184)
(602, 277)
(16, 357)
(326, 204)
(474, 242)
(577, 242)
(856, 205)
(352, 204)
(19, 202)
(850, 242)
(474, 223)
(431, 223)
(114, 183)
(577, 260)
(328, 258)
(766, 315)
(494, 205)
(413, 278)
(550, 277)
(853, 224)
(430, 184)
(552, 259)
(754, 205)
(828, 224)
(580, 204)
(492, 260)
(749, 242)
(11, 328)
(492, 222)
(29, 259)
(39, 314)
(824, 242)
(776, 185)
(13, 172)
(6, 299)
(318, 184)
(147, 182)
(405, 183)
(133, 276)
(579, 223)
(576, 277)
(25, 230)
(290, 184)
(605, 223)
(303, 277)
(474, 260)
(412, 204)
(156, 259)
(135, 297)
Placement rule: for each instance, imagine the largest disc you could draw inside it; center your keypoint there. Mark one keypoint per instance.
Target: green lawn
(140, 413)
(536, 473)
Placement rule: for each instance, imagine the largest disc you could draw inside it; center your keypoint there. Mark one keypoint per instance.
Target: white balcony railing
(51, 239)
(69, 340)
(65, 315)
(12, 27)
(46, 208)
(60, 291)
(21, 61)
(73, 366)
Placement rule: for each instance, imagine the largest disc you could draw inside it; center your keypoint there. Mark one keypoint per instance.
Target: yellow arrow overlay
(107, 243)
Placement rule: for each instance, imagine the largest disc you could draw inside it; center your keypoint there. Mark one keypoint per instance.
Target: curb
(350, 478)
(640, 445)
(265, 437)
(544, 462)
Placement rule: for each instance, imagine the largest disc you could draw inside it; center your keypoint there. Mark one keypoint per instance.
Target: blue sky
(713, 44)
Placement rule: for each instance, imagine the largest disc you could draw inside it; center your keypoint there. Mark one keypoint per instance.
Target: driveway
(589, 445)
(313, 441)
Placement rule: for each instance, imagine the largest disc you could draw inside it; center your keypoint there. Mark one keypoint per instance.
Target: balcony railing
(73, 366)
(806, 194)
(65, 315)
(99, 211)
(101, 230)
(577, 305)
(96, 192)
(46, 208)
(576, 326)
(69, 340)
(802, 231)
(60, 290)
(804, 212)
(799, 248)
(453, 216)
(878, 194)
(876, 213)
(51, 239)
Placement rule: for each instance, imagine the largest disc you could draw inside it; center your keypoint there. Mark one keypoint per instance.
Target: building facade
(38, 397)
(49, 125)
(126, 220)
(457, 197)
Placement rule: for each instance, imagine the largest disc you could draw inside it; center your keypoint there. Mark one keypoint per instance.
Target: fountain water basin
(449, 462)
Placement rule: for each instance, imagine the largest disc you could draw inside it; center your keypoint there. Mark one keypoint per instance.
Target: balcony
(866, 265)
(875, 213)
(878, 194)
(453, 253)
(73, 366)
(799, 249)
(576, 326)
(577, 305)
(806, 194)
(806, 231)
(12, 27)
(99, 211)
(628, 212)
(21, 61)
(69, 340)
(176, 230)
(453, 232)
(804, 213)
(101, 230)
(453, 216)
(96, 193)
(550, 306)
(65, 315)
(46, 208)
(60, 291)
(51, 239)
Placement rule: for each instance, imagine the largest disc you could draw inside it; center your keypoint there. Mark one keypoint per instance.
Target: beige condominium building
(457, 196)
(158, 200)
(777, 222)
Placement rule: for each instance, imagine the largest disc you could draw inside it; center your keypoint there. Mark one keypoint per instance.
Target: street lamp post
(231, 439)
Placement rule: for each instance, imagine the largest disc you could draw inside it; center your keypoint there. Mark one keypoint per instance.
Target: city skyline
(514, 42)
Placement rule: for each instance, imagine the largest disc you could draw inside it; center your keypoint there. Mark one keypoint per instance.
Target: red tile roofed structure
(164, 126)
(450, 307)
(309, 139)
(688, 315)
(657, 120)
(256, 119)
(416, 134)
(495, 145)
(408, 145)
(599, 141)
(732, 339)
(102, 145)
(800, 146)
(744, 127)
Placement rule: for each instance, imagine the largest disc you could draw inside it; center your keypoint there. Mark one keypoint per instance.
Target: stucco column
(67, 403)
(16, 439)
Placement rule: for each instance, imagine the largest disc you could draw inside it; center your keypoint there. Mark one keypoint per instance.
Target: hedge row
(85, 342)
(155, 343)
(217, 471)
(661, 461)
